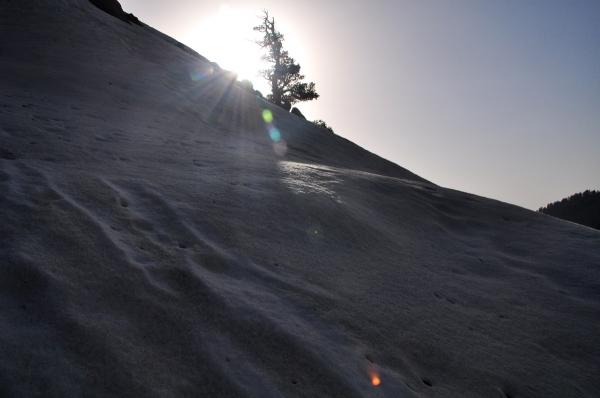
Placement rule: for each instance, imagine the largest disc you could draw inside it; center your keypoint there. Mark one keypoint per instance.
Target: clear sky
(499, 98)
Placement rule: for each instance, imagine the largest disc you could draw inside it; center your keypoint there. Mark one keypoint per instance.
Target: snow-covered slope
(157, 242)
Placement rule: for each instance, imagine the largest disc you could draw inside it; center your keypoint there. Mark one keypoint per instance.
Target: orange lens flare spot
(375, 380)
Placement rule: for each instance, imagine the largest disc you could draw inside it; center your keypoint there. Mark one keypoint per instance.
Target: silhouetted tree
(287, 86)
(323, 125)
(582, 208)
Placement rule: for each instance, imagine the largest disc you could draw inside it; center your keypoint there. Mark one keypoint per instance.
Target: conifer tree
(283, 73)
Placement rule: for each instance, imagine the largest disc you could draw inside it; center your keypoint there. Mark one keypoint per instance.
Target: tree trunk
(275, 90)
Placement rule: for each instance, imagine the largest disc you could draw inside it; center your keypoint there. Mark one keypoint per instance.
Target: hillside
(157, 241)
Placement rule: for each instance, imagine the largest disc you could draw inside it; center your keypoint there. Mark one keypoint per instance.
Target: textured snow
(157, 242)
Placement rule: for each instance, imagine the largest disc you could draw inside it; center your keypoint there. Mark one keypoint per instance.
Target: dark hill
(113, 7)
(582, 208)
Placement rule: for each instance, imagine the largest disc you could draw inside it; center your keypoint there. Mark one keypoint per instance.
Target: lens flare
(279, 145)
(275, 134)
(199, 74)
(267, 116)
(375, 380)
(280, 148)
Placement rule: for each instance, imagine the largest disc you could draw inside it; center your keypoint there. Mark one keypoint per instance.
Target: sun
(227, 38)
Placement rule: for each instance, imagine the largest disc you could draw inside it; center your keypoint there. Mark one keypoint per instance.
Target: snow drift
(158, 241)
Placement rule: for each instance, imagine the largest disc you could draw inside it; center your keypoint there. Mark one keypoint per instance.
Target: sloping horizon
(158, 240)
(497, 99)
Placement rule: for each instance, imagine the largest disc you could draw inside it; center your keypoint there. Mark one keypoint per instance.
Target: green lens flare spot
(267, 116)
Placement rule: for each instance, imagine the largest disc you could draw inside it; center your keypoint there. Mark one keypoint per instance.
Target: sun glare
(227, 38)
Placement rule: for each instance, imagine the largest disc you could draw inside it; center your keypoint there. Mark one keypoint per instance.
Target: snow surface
(156, 242)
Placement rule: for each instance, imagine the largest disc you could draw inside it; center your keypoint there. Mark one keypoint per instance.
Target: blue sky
(497, 98)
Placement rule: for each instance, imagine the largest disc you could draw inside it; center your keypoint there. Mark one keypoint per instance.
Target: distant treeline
(582, 208)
